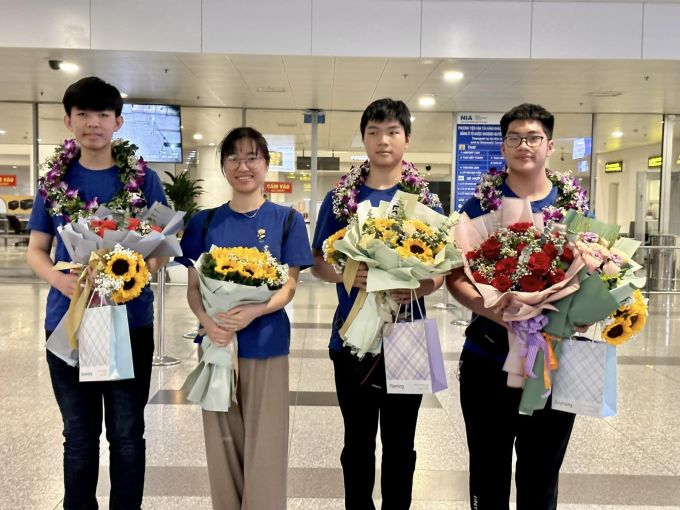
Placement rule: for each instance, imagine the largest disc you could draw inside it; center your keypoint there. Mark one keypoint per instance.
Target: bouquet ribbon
(81, 295)
(529, 340)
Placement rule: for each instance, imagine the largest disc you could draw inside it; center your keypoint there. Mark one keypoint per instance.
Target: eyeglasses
(233, 162)
(514, 141)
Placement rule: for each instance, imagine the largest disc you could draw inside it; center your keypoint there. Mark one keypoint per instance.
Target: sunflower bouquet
(121, 274)
(402, 242)
(229, 277)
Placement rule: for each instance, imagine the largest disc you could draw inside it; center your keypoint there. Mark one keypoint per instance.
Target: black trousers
(364, 403)
(493, 425)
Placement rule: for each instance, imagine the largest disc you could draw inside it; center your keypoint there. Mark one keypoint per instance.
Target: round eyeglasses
(232, 162)
(514, 141)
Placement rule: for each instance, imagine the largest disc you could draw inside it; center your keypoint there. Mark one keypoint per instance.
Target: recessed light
(181, 127)
(617, 134)
(39, 140)
(604, 93)
(453, 75)
(123, 95)
(413, 118)
(69, 67)
(197, 136)
(426, 101)
(2, 132)
(14, 166)
(270, 90)
(212, 144)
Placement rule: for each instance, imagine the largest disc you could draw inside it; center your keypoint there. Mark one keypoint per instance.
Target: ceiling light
(617, 134)
(181, 127)
(69, 67)
(453, 75)
(426, 101)
(39, 140)
(197, 136)
(268, 89)
(14, 166)
(123, 95)
(604, 93)
(413, 118)
(212, 144)
(2, 132)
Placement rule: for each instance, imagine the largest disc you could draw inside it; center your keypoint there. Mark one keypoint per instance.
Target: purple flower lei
(346, 192)
(61, 200)
(570, 194)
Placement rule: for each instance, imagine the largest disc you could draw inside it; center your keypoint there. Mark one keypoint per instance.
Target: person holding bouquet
(360, 383)
(93, 170)
(490, 408)
(247, 446)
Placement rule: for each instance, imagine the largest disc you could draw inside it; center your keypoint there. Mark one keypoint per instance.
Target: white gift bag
(104, 349)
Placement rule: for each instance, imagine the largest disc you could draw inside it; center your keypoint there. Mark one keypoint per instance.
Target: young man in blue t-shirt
(93, 114)
(360, 384)
(490, 408)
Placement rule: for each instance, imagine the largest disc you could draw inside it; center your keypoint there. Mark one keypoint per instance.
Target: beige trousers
(247, 447)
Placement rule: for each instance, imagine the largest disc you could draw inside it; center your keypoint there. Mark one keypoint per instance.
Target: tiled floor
(631, 461)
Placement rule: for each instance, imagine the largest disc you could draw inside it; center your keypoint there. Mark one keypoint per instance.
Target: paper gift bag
(413, 358)
(585, 381)
(104, 349)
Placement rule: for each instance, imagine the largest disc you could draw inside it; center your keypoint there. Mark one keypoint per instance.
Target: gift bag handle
(414, 298)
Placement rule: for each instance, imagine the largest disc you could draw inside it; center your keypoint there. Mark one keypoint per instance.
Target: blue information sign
(478, 148)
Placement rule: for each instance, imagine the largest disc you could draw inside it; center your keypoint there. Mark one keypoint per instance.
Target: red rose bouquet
(522, 265)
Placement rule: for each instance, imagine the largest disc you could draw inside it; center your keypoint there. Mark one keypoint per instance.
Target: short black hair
(527, 111)
(387, 109)
(94, 94)
(228, 144)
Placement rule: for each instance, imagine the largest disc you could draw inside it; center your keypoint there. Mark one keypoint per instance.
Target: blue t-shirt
(268, 335)
(327, 224)
(484, 336)
(103, 184)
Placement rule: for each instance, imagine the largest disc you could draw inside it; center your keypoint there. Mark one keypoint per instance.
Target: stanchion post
(160, 359)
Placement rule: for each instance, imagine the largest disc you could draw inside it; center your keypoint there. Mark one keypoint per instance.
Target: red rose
(506, 266)
(502, 283)
(531, 283)
(479, 277)
(567, 255)
(555, 276)
(133, 223)
(539, 263)
(520, 227)
(550, 250)
(156, 228)
(520, 247)
(491, 248)
(471, 255)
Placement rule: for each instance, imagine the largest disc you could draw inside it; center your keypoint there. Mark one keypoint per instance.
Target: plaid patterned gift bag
(104, 350)
(413, 357)
(585, 380)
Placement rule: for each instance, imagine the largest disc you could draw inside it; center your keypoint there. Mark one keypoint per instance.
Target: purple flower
(138, 202)
(71, 193)
(63, 186)
(54, 173)
(590, 237)
(42, 191)
(67, 218)
(92, 204)
(132, 185)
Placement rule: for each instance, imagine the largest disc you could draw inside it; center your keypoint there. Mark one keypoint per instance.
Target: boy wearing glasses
(490, 408)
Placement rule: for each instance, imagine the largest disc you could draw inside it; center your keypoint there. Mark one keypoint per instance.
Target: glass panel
(573, 141)
(628, 171)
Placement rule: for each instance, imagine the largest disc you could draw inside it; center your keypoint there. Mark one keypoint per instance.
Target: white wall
(395, 28)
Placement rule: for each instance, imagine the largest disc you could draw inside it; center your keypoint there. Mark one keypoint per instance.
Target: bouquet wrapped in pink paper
(522, 264)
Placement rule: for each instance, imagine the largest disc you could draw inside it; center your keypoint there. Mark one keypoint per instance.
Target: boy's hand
(581, 328)
(66, 283)
(361, 277)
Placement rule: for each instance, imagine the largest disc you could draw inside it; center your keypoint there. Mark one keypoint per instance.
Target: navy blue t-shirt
(484, 336)
(103, 184)
(268, 335)
(327, 224)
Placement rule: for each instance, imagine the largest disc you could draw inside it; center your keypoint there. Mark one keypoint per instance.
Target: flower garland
(61, 200)
(346, 192)
(570, 194)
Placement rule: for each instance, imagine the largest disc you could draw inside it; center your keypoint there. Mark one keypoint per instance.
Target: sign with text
(612, 167)
(8, 181)
(278, 187)
(654, 162)
(478, 148)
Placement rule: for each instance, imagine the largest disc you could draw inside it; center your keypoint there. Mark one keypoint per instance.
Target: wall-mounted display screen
(155, 129)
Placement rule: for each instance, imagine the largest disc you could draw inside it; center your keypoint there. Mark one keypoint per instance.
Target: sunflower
(415, 248)
(617, 332)
(253, 270)
(226, 265)
(637, 317)
(131, 288)
(121, 265)
(382, 224)
(412, 226)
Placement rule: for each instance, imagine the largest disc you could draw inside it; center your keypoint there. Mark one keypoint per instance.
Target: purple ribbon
(528, 333)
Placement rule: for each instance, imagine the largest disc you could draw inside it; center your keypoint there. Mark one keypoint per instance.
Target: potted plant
(182, 192)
